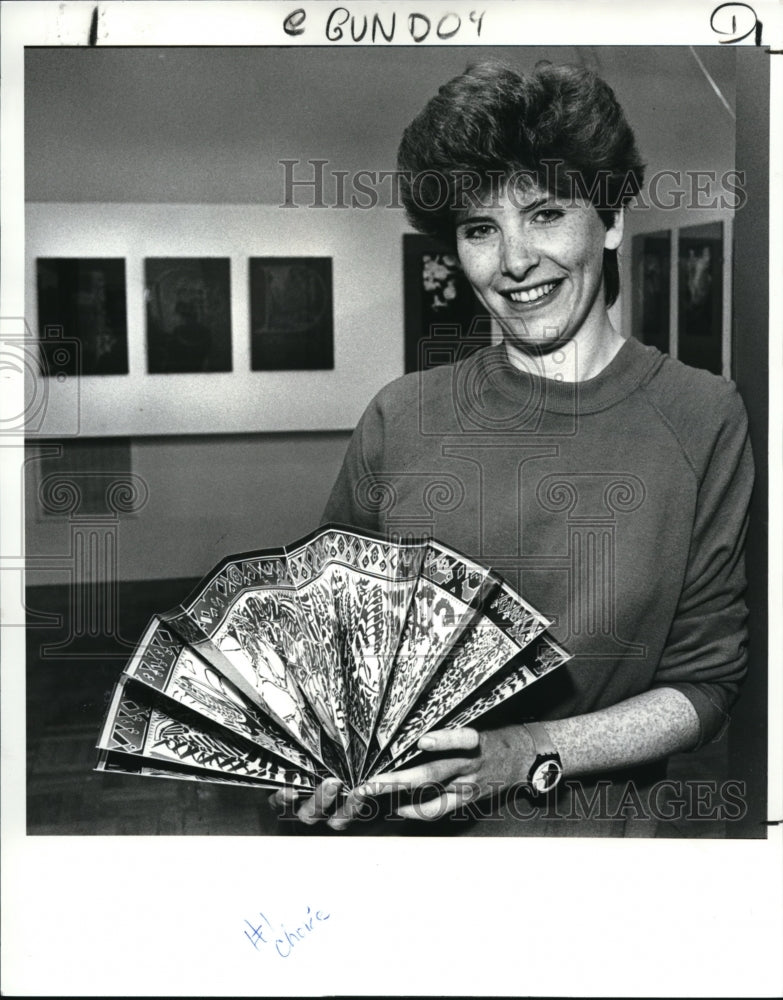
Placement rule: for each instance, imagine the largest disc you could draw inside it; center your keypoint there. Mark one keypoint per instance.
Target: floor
(69, 681)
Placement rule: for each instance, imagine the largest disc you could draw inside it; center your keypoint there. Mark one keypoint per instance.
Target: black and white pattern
(331, 656)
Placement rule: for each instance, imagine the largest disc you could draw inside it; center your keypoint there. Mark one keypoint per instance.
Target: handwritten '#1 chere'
(264, 934)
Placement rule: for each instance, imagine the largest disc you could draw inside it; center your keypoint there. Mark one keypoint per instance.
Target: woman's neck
(575, 361)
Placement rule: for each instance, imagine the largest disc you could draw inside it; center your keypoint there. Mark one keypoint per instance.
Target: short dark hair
(560, 127)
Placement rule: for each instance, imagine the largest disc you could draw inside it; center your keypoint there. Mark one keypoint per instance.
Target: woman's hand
(477, 764)
(315, 807)
(469, 766)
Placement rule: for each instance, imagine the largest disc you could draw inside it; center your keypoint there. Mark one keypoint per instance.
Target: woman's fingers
(318, 805)
(284, 797)
(435, 784)
(434, 809)
(433, 772)
(454, 795)
(437, 740)
(354, 805)
(422, 781)
(313, 806)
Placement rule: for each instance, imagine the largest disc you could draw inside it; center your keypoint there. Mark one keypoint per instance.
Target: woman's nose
(518, 255)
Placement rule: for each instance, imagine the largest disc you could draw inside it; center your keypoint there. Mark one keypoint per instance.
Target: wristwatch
(547, 768)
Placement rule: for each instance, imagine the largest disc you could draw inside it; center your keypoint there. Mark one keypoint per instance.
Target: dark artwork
(651, 262)
(700, 306)
(291, 324)
(443, 319)
(188, 314)
(81, 316)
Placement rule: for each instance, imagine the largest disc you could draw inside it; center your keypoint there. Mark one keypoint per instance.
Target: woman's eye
(478, 232)
(548, 215)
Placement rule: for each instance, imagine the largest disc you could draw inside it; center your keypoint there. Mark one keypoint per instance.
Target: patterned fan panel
(517, 619)
(137, 728)
(371, 621)
(538, 659)
(315, 569)
(449, 590)
(479, 652)
(116, 762)
(155, 658)
(434, 621)
(320, 675)
(382, 559)
(455, 574)
(370, 582)
(202, 617)
(178, 672)
(492, 638)
(260, 638)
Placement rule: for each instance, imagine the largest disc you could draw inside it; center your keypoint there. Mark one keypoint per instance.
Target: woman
(606, 482)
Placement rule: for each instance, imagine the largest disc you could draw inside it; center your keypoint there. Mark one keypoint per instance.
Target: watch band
(547, 768)
(542, 744)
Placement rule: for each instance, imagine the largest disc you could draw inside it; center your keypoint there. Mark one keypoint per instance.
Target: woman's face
(535, 261)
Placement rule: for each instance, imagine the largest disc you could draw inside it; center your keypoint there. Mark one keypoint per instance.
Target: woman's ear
(614, 234)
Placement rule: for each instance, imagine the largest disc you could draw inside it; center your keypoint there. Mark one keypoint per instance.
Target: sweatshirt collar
(627, 369)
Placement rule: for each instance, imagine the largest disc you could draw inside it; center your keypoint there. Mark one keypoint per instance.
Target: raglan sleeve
(705, 656)
(356, 498)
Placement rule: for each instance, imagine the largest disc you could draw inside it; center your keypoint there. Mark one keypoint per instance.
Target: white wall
(210, 125)
(366, 248)
(208, 497)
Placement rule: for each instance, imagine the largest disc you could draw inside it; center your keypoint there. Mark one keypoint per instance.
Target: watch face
(546, 775)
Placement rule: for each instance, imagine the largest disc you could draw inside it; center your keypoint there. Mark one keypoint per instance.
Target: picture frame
(700, 296)
(443, 318)
(291, 313)
(188, 314)
(82, 316)
(677, 288)
(651, 288)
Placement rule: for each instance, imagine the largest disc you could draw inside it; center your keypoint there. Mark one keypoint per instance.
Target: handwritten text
(342, 25)
(282, 941)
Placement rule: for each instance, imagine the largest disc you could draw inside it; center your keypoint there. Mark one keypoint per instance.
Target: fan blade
(115, 762)
(179, 673)
(137, 728)
(373, 584)
(245, 620)
(451, 590)
(489, 685)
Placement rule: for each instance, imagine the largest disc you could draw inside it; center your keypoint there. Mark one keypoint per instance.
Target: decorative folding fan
(329, 656)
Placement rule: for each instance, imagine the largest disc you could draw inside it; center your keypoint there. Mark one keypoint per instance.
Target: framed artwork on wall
(651, 263)
(695, 300)
(82, 317)
(291, 313)
(700, 297)
(188, 305)
(443, 318)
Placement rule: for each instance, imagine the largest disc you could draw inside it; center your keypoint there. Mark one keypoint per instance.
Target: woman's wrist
(546, 768)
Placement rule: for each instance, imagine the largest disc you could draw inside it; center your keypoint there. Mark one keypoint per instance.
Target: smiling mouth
(533, 294)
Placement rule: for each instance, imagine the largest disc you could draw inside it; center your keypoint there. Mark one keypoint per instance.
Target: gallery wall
(368, 310)
(199, 499)
(197, 126)
(177, 152)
